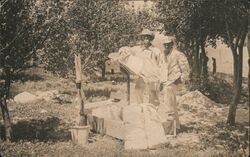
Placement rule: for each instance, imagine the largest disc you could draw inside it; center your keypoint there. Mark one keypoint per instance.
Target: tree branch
(244, 32)
(14, 39)
(230, 38)
(237, 38)
(3, 3)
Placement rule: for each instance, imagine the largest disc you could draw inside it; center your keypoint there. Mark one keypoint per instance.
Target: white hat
(147, 32)
(168, 41)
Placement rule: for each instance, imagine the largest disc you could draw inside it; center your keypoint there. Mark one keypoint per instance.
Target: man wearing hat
(150, 53)
(174, 71)
(176, 62)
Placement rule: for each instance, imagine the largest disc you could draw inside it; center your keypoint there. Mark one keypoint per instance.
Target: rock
(43, 111)
(25, 98)
(218, 146)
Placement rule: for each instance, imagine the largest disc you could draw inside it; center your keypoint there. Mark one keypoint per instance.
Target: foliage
(92, 28)
(146, 18)
(218, 90)
(22, 34)
(188, 22)
(202, 19)
(200, 22)
(23, 31)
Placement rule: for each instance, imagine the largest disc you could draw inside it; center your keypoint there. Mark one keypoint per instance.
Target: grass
(47, 134)
(90, 92)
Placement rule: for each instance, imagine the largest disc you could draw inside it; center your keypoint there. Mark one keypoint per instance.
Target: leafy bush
(218, 90)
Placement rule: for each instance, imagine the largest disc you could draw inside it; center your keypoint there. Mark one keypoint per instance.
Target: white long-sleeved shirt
(152, 53)
(174, 66)
(151, 58)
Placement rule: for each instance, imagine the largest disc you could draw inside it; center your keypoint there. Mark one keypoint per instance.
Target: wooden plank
(89, 107)
(96, 124)
(169, 127)
(115, 128)
(94, 105)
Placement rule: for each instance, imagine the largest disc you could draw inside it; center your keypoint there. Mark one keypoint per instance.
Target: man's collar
(147, 48)
(169, 54)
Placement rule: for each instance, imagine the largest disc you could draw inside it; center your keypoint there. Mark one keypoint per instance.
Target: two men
(168, 68)
(172, 64)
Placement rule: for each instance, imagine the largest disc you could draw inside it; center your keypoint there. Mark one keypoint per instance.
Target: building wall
(112, 66)
(224, 59)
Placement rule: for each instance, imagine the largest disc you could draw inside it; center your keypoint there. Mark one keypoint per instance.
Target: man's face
(168, 48)
(146, 40)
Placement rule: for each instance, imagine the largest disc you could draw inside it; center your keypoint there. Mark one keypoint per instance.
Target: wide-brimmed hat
(168, 41)
(146, 32)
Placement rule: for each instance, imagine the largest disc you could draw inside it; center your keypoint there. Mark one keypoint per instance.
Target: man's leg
(170, 101)
(154, 93)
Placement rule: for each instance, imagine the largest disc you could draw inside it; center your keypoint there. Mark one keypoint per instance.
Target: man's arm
(184, 67)
(174, 73)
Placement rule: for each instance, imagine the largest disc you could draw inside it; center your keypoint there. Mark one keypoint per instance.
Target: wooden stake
(80, 93)
(128, 88)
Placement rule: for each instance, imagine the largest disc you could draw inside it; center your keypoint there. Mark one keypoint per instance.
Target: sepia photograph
(124, 78)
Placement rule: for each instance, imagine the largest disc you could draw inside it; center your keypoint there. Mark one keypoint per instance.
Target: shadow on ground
(40, 130)
(185, 128)
(28, 77)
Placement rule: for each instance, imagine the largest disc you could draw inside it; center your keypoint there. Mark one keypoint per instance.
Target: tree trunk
(6, 119)
(248, 49)
(195, 76)
(204, 60)
(238, 60)
(103, 71)
(4, 107)
(249, 79)
(214, 65)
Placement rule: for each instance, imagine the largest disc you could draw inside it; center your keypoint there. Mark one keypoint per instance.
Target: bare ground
(42, 129)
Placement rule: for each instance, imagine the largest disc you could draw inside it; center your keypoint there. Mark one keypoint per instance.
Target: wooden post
(125, 71)
(80, 93)
(128, 88)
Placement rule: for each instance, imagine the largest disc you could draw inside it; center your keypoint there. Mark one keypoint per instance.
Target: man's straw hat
(168, 41)
(146, 32)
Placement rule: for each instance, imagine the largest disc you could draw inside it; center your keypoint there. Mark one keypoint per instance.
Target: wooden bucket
(80, 135)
